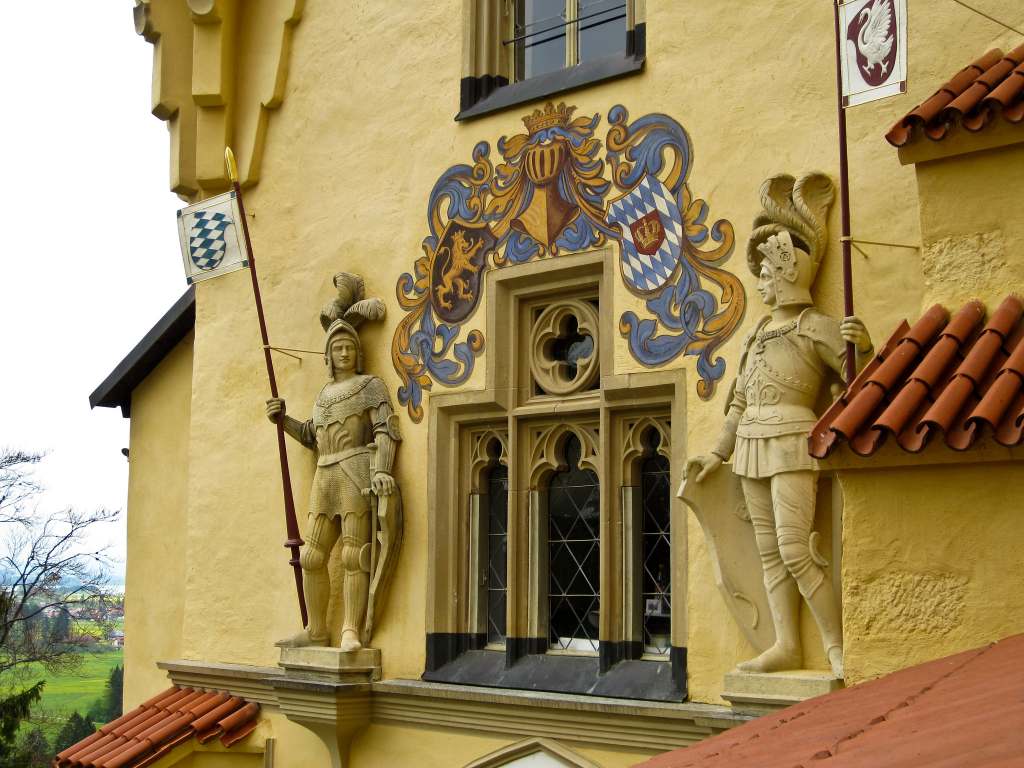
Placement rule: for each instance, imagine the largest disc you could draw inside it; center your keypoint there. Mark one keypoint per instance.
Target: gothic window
(574, 555)
(655, 549)
(497, 552)
(551, 512)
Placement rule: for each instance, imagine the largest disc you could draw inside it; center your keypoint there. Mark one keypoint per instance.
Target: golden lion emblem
(454, 281)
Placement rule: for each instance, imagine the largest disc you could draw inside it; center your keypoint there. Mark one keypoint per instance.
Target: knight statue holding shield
(784, 366)
(354, 497)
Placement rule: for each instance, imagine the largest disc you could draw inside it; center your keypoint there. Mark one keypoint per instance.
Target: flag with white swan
(874, 49)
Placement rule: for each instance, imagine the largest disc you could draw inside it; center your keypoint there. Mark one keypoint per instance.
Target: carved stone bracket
(215, 79)
(335, 712)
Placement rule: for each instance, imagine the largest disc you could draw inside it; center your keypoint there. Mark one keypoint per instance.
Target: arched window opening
(574, 554)
(656, 547)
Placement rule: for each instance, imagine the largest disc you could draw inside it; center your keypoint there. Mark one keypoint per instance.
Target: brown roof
(974, 98)
(154, 728)
(958, 377)
(963, 711)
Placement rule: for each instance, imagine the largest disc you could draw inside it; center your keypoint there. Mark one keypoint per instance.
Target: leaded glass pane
(656, 557)
(497, 552)
(574, 555)
(602, 28)
(539, 37)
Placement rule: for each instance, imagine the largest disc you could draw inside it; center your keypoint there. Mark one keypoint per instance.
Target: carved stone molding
(546, 455)
(207, 85)
(551, 371)
(633, 446)
(483, 456)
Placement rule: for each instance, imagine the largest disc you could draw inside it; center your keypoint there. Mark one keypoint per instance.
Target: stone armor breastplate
(339, 417)
(782, 377)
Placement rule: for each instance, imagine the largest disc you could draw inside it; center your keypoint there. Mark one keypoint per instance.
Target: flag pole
(844, 201)
(294, 541)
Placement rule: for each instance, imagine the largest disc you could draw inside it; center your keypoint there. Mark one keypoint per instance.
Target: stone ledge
(645, 725)
(250, 682)
(752, 693)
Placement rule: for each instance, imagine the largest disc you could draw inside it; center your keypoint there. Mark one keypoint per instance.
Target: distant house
(116, 638)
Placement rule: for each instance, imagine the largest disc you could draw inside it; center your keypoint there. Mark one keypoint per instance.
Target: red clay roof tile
(973, 98)
(963, 711)
(140, 737)
(935, 378)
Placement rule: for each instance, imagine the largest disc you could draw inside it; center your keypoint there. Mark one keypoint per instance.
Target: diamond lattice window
(656, 552)
(497, 552)
(574, 555)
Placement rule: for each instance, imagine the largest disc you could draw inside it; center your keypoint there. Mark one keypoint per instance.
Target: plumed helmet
(790, 266)
(791, 233)
(338, 329)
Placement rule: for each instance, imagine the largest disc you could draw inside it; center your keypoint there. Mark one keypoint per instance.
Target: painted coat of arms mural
(549, 195)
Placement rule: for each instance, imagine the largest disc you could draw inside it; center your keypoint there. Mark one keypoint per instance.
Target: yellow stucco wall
(932, 563)
(364, 129)
(157, 499)
(933, 555)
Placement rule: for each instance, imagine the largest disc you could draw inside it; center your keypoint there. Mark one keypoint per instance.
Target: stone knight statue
(354, 431)
(784, 366)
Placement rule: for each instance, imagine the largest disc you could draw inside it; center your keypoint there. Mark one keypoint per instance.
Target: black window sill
(543, 86)
(453, 659)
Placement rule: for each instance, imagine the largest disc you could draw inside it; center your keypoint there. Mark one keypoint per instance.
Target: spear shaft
(294, 541)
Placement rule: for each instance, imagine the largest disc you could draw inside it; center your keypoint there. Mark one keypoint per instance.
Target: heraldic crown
(648, 233)
(550, 117)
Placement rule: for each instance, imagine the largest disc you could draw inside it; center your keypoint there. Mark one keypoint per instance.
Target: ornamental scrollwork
(550, 194)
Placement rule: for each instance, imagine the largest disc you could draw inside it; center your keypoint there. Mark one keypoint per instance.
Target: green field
(71, 691)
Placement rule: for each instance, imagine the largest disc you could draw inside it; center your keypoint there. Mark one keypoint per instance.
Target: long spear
(844, 202)
(294, 541)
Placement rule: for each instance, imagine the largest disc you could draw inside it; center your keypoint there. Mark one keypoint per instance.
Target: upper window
(524, 50)
(554, 34)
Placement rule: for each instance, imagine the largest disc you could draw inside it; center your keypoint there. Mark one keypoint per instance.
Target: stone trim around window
(486, 84)
(455, 641)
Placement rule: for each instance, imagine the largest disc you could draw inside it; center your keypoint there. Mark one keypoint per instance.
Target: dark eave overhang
(116, 389)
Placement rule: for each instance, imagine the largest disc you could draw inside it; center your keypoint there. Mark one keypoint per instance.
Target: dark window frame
(487, 94)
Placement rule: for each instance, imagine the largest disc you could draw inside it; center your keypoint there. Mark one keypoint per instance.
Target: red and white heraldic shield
(873, 47)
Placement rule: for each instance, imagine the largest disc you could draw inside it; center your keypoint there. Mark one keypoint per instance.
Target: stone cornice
(216, 77)
(622, 723)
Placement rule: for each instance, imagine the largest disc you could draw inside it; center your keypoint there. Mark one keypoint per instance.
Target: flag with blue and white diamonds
(652, 234)
(211, 238)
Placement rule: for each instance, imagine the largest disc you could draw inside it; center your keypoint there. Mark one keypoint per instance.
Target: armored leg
(793, 497)
(355, 557)
(783, 596)
(320, 538)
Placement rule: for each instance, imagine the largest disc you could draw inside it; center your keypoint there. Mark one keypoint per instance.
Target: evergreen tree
(14, 709)
(34, 750)
(114, 694)
(62, 627)
(75, 729)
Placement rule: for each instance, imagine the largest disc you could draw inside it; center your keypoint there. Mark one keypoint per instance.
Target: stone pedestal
(758, 693)
(332, 664)
(328, 691)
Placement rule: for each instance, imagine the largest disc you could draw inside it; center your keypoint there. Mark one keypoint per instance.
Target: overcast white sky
(90, 255)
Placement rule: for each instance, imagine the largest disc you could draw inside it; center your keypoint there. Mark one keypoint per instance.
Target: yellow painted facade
(343, 114)
(156, 526)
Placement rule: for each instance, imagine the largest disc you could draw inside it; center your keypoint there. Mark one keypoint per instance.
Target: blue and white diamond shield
(652, 234)
(211, 238)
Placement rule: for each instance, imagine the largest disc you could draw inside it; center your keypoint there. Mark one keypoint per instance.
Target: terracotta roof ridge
(989, 87)
(146, 733)
(960, 379)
